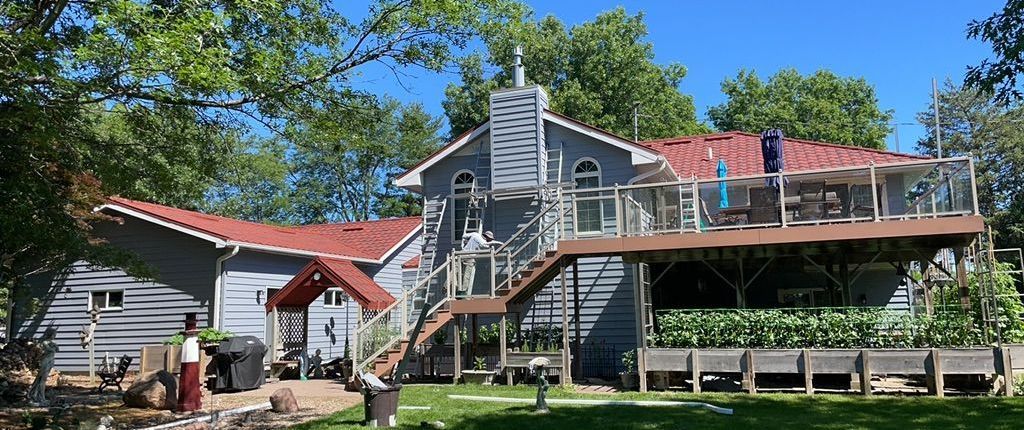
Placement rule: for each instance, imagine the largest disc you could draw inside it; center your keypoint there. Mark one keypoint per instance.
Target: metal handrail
(934, 188)
(522, 230)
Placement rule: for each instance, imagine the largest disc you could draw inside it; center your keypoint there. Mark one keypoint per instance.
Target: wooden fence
(934, 363)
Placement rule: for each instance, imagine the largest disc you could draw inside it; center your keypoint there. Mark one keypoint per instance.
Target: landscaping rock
(283, 400)
(154, 390)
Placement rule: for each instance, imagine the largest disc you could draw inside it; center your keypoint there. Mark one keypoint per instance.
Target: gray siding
(517, 137)
(153, 310)
(390, 274)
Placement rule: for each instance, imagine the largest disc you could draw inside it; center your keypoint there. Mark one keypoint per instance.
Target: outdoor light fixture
(316, 276)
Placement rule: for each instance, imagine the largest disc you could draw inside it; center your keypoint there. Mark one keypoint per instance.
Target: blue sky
(898, 46)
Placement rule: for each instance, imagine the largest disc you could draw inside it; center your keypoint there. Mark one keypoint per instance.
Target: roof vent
(518, 74)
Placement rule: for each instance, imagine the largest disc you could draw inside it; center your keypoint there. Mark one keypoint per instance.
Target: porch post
(844, 276)
(355, 336)
(566, 350)
(641, 333)
(502, 344)
(576, 316)
(458, 350)
(741, 289)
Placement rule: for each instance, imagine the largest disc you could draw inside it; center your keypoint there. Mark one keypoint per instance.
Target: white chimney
(518, 75)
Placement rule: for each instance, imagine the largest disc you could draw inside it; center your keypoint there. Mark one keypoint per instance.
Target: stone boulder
(154, 390)
(283, 400)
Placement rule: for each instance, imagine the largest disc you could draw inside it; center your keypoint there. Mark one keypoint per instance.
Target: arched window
(462, 185)
(586, 173)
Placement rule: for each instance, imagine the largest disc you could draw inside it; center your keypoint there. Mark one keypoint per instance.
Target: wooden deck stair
(530, 281)
(383, 364)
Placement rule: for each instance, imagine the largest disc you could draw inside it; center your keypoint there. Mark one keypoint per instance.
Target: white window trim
(107, 292)
(456, 235)
(600, 183)
(333, 290)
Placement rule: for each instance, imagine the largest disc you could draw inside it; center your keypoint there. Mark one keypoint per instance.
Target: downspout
(661, 168)
(218, 286)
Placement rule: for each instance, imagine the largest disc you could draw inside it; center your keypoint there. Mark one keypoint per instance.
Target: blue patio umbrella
(723, 194)
(771, 152)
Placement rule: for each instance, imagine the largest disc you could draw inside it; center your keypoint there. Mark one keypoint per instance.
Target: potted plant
(479, 375)
(630, 379)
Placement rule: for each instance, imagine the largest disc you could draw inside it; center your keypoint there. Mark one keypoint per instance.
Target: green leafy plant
(206, 335)
(440, 336)
(479, 363)
(629, 360)
(815, 328)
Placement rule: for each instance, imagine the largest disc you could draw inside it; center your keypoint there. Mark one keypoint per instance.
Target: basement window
(109, 300)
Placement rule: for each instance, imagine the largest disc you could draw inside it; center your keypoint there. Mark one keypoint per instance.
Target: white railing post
(356, 348)
(974, 186)
(492, 272)
(874, 191)
(619, 211)
(782, 198)
(696, 203)
(405, 312)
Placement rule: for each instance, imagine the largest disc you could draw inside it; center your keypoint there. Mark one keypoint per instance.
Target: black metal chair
(114, 378)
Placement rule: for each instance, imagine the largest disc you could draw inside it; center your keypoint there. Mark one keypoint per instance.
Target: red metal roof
(304, 288)
(374, 237)
(412, 263)
(368, 240)
(742, 154)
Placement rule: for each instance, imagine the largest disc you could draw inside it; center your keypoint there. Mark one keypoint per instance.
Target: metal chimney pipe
(518, 74)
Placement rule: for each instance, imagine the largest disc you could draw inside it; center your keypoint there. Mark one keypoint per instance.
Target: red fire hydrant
(189, 396)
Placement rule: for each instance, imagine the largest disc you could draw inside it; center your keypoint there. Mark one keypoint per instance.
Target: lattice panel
(292, 324)
(368, 314)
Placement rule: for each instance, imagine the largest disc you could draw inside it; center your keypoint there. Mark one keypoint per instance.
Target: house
(602, 232)
(223, 269)
(599, 233)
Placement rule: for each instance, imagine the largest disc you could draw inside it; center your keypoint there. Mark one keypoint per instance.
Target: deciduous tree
(820, 106)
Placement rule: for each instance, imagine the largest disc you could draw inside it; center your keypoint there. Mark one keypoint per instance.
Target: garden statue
(537, 366)
(316, 365)
(303, 365)
(37, 393)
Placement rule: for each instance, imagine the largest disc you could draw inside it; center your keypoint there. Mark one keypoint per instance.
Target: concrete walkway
(317, 398)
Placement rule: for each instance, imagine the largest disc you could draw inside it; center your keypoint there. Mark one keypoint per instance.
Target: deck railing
(897, 191)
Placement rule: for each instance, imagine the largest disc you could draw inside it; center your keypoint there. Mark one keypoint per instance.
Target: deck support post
(566, 377)
(457, 363)
(808, 372)
(695, 369)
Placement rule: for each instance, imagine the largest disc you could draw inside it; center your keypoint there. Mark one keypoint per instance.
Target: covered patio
(288, 310)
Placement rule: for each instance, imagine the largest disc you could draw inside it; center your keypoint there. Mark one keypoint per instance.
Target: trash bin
(380, 401)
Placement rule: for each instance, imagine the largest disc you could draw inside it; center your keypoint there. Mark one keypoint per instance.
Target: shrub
(813, 328)
(206, 335)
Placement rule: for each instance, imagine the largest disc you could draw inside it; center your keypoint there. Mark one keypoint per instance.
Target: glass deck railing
(899, 191)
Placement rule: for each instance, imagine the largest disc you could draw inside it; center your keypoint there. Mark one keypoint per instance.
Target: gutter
(218, 286)
(661, 168)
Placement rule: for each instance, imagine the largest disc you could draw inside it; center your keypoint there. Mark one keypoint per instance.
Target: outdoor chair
(115, 377)
(812, 201)
(764, 206)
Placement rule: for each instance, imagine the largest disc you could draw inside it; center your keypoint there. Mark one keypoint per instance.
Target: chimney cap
(518, 74)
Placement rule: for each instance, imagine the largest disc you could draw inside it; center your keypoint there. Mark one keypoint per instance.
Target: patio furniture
(812, 201)
(764, 206)
(115, 377)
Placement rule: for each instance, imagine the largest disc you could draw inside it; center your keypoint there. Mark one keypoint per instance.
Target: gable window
(462, 187)
(109, 300)
(589, 213)
(335, 299)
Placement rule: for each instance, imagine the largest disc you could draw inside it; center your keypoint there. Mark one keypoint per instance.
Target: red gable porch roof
(742, 154)
(304, 288)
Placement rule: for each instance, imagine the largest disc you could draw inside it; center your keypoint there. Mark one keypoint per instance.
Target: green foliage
(974, 124)
(479, 363)
(1004, 30)
(145, 98)
(345, 158)
(821, 106)
(1011, 308)
(595, 72)
(814, 328)
(541, 338)
(206, 335)
(253, 183)
(629, 360)
(489, 334)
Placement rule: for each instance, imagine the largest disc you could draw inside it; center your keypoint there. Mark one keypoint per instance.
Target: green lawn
(789, 411)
